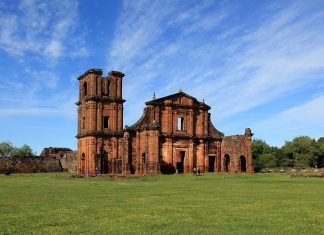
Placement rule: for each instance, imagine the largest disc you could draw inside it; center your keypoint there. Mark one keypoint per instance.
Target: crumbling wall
(30, 165)
(235, 147)
(69, 162)
(51, 163)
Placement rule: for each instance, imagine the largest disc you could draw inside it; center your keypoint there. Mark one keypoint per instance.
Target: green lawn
(163, 204)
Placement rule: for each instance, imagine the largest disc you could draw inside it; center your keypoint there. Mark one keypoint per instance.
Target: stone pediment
(178, 99)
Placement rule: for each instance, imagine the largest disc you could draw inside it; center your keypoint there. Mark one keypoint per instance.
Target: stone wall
(51, 163)
(30, 165)
(235, 148)
(55, 150)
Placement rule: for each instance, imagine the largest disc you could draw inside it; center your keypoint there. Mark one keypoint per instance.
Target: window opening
(180, 124)
(85, 88)
(105, 122)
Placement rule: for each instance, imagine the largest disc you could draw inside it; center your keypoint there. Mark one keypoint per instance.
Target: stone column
(79, 119)
(119, 88)
(218, 157)
(206, 123)
(138, 153)
(191, 123)
(99, 81)
(200, 155)
(125, 154)
(91, 154)
(113, 87)
(191, 155)
(170, 123)
(157, 150)
(248, 143)
(120, 118)
(157, 114)
(79, 156)
(186, 163)
(114, 154)
(99, 117)
(168, 156)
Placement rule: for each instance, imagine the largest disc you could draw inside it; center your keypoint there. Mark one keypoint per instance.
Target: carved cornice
(116, 74)
(209, 138)
(89, 71)
(100, 134)
(101, 98)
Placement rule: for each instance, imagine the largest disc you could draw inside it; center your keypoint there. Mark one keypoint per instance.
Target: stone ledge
(89, 71)
(101, 98)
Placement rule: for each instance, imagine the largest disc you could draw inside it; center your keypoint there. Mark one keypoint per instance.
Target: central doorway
(211, 166)
(180, 163)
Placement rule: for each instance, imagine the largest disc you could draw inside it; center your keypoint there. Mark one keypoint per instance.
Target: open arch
(83, 167)
(227, 161)
(85, 88)
(243, 163)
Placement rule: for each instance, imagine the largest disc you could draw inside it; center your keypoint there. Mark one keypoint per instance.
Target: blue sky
(258, 64)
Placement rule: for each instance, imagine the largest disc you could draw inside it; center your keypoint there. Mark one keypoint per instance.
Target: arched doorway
(227, 161)
(83, 170)
(243, 163)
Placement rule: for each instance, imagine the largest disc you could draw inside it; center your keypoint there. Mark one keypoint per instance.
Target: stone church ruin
(174, 130)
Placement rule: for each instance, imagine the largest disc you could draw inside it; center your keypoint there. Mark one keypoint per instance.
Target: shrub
(167, 168)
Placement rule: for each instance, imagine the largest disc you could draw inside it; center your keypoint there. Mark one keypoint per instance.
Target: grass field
(163, 204)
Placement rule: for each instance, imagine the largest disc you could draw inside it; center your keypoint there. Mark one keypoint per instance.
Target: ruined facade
(175, 130)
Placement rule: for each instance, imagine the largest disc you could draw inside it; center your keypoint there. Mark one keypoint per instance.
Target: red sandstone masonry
(51, 163)
(175, 129)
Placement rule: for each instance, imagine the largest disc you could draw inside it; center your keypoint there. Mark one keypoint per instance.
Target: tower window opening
(105, 122)
(180, 126)
(83, 123)
(85, 88)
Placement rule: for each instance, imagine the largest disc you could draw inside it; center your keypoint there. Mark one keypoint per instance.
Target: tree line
(301, 152)
(8, 150)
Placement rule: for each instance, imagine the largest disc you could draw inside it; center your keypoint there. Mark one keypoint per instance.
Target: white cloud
(304, 119)
(62, 104)
(38, 35)
(235, 66)
(42, 78)
(44, 28)
(144, 44)
(54, 49)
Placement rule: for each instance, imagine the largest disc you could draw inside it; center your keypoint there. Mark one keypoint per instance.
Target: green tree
(278, 153)
(320, 144)
(6, 148)
(267, 160)
(301, 152)
(259, 147)
(24, 151)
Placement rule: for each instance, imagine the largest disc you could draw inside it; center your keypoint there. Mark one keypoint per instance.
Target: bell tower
(100, 121)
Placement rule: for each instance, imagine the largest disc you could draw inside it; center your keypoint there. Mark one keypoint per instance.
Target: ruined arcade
(175, 130)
